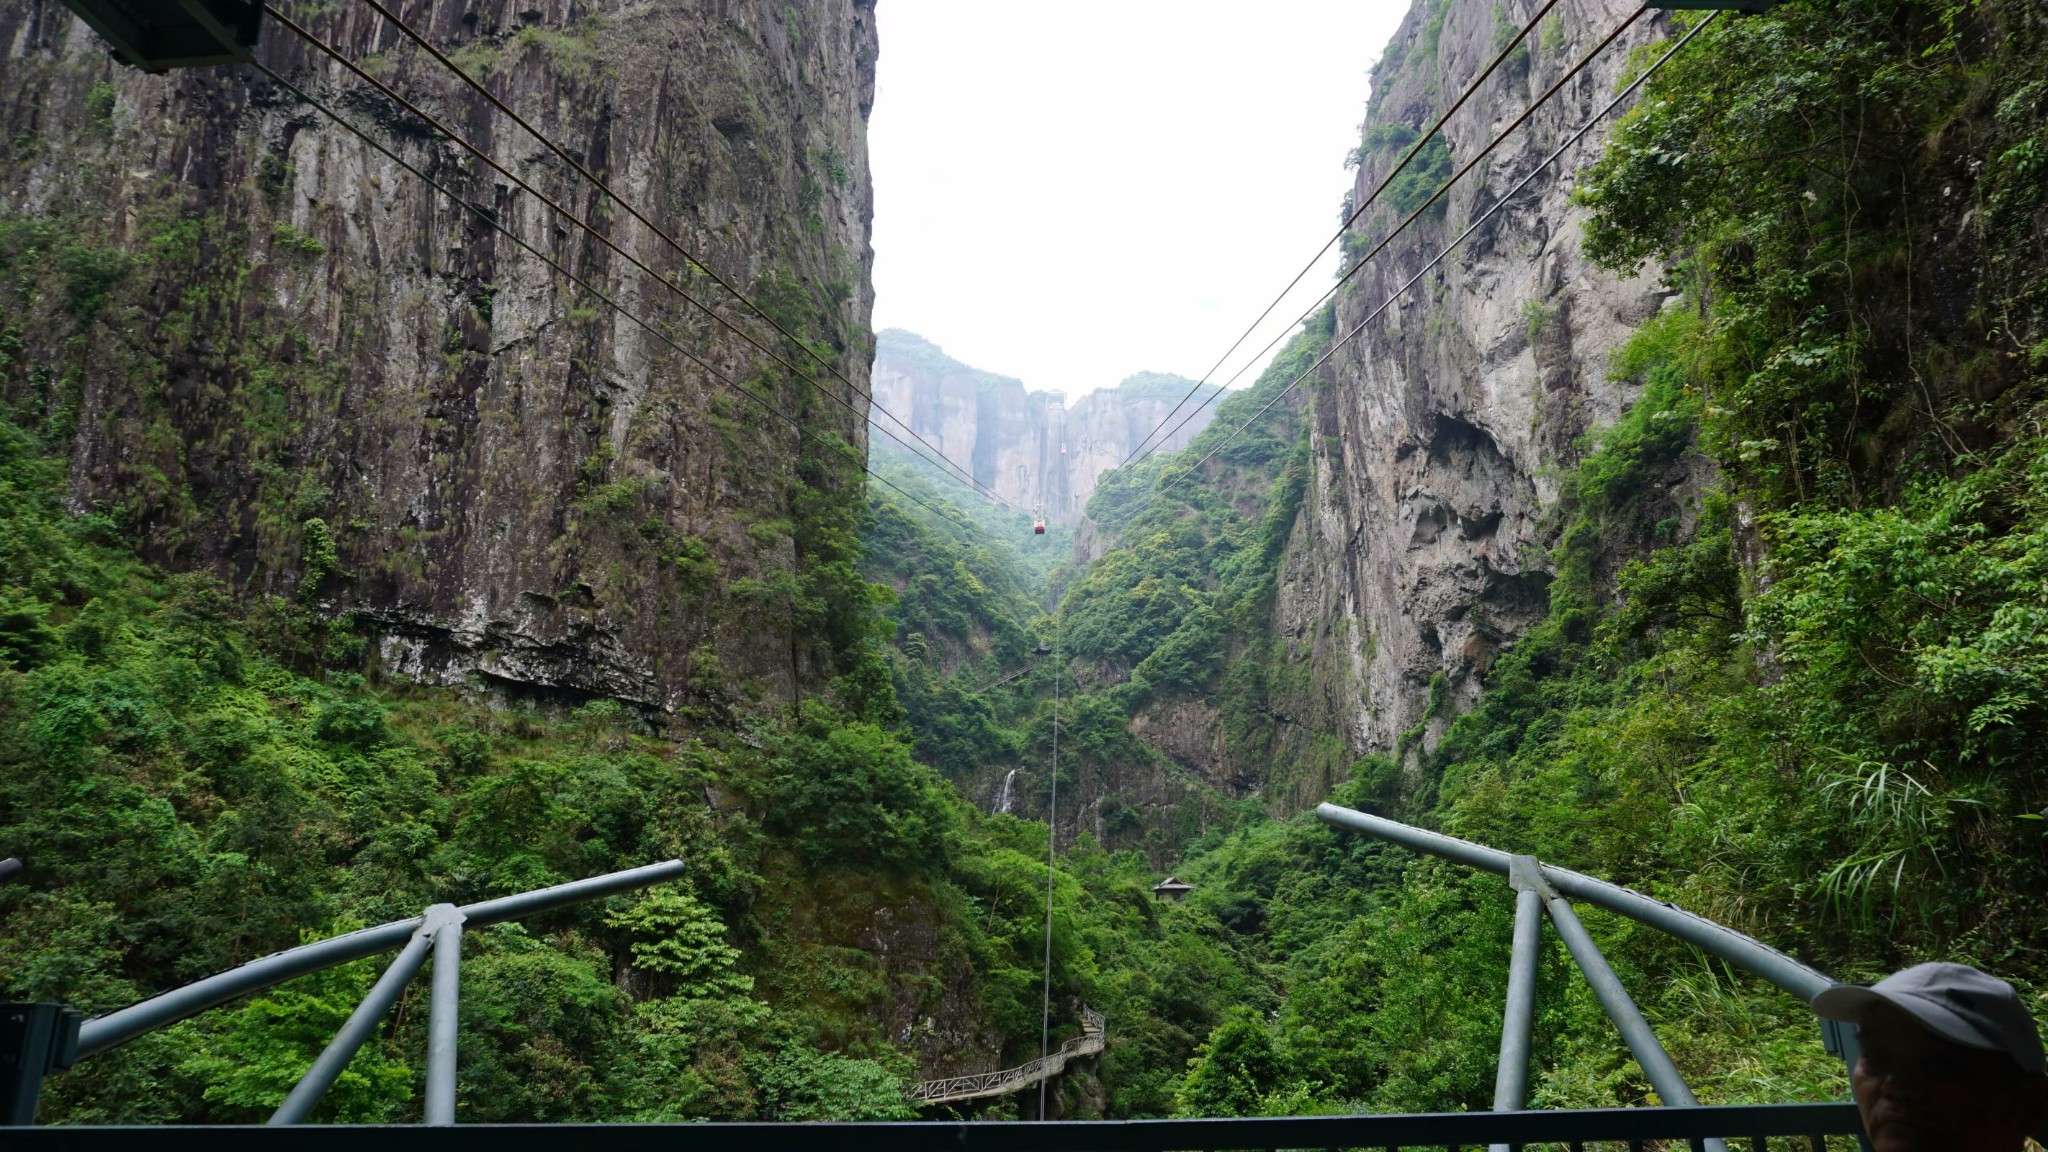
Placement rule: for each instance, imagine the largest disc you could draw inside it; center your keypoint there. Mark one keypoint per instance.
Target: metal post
(1840, 1038)
(444, 922)
(1511, 1079)
(1511, 1083)
(35, 1040)
(1742, 951)
(1642, 1042)
(119, 1027)
(361, 1023)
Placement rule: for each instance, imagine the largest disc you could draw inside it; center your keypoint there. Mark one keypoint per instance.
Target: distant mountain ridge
(1029, 446)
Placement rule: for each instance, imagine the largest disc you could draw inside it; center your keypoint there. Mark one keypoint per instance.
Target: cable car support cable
(691, 258)
(607, 241)
(1413, 216)
(1356, 212)
(598, 183)
(1439, 257)
(1052, 812)
(580, 282)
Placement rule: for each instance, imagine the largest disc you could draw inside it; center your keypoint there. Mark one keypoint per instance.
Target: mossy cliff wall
(1349, 568)
(1438, 432)
(284, 360)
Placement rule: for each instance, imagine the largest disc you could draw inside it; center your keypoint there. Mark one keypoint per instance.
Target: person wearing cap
(1949, 1059)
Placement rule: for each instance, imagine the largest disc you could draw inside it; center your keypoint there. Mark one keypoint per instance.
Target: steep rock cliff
(1348, 570)
(280, 329)
(1421, 549)
(1030, 447)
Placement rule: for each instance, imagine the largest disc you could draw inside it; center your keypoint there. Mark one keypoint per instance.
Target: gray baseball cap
(1954, 1001)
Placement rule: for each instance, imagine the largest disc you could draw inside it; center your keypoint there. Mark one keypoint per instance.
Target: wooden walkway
(1088, 1043)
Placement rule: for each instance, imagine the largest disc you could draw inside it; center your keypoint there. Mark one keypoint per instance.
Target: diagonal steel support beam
(306, 1094)
(444, 921)
(1635, 1031)
(104, 1032)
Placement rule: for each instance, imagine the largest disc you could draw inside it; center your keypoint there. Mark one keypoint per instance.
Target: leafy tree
(249, 1060)
(1232, 1071)
(676, 936)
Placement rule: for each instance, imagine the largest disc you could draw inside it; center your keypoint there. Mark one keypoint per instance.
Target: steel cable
(1413, 216)
(667, 238)
(1438, 258)
(598, 183)
(607, 241)
(1051, 846)
(1356, 212)
(490, 220)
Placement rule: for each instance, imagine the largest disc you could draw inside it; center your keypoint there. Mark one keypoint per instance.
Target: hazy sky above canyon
(1071, 192)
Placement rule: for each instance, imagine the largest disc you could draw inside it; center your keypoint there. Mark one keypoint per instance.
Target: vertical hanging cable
(1052, 812)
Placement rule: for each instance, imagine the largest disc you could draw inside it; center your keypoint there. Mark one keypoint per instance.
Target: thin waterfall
(1003, 797)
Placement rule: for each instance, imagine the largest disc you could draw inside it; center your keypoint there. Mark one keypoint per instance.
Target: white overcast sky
(1070, 192)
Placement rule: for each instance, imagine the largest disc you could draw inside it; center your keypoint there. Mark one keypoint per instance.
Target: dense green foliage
(1802, 693)
(1180, 607)
(193, 787)
(187, 801)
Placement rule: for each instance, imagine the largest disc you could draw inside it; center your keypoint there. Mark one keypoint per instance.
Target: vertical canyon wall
(284, 360)
(1421, 550)
(1030, 447)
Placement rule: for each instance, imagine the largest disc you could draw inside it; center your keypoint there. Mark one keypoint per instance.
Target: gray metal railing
(1760, 1128)
(1543, 888)
(1538, 888)
(979, 1084)
(438, 929)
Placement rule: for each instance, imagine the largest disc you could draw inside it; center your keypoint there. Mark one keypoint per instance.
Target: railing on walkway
(1761, 1128)
(1541, 888)
(1006, 1080)
(1538, 888)
(52, 1038)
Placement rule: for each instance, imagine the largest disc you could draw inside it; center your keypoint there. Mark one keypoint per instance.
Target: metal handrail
(103, 1032)
(1762, 1128)
(1541, 888)
(1003, 1080)
(438, 929)
(1801, 980)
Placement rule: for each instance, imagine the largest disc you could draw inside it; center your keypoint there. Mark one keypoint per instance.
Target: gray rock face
(1421, 549)
(519, 483)
(1030, 447)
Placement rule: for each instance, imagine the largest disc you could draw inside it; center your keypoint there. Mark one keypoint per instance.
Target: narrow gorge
(1029, 448)
(1658, 491)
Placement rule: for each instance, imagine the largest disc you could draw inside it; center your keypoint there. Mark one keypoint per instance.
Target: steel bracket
(439, 916)
(35, 1040)
(1525, 873)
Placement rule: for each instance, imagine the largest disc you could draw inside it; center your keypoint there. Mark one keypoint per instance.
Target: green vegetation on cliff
(1802, 693)
(189, 793)
(196, 781)
(193, 787)
(1805, 696)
